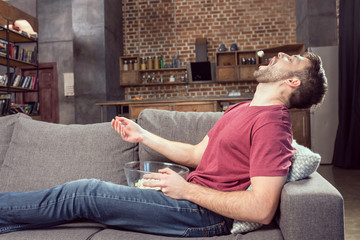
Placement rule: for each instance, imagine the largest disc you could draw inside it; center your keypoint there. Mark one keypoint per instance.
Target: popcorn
(140, 185)
(260, 53)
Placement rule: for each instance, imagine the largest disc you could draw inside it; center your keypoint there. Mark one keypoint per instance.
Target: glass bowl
(134, 171)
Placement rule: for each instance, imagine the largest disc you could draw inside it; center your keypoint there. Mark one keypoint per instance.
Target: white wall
(324, 119)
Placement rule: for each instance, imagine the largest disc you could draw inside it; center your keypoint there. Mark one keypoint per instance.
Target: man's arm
(258, 205)
(181, 153)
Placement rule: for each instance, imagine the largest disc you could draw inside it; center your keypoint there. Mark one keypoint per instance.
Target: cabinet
(135, 109)
(301, 126)
(234, 66)
(17, 49)
(129, 75)
(132, 75)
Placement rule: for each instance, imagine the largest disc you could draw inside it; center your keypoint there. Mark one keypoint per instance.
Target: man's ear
(293, 82)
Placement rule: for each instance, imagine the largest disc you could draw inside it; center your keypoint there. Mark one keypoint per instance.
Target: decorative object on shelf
(222, 48)
(233, 47)
(25, 28)
(172, 78)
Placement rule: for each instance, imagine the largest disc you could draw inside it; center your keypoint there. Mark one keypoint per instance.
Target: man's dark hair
(313, 84)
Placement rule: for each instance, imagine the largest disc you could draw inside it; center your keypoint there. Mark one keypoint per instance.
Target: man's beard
(270, 74)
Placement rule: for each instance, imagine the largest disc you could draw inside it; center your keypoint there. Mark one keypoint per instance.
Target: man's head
(304, 74)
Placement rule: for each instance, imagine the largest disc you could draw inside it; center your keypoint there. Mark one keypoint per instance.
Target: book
(26, 108)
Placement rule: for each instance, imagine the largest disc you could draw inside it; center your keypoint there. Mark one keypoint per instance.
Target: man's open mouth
(272, 62)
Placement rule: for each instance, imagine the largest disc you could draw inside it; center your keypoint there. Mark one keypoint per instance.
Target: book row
(24, 54)
(29, 82)
(6, 107)
(27, 108)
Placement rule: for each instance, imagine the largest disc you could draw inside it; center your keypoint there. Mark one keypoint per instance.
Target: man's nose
(282, 55)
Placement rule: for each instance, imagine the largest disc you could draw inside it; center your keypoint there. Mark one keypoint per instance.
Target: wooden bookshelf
(12, 39)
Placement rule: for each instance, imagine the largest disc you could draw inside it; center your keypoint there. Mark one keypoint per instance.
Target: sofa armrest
(311, 209)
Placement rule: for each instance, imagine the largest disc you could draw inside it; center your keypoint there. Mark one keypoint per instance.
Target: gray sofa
(35, 155)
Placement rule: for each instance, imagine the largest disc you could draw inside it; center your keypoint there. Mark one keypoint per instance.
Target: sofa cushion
(63, 232)
(305, 162)
(6, 129)
(187, 127)
(42, 155)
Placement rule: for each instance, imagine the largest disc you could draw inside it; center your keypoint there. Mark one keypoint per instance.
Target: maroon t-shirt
(248, 141)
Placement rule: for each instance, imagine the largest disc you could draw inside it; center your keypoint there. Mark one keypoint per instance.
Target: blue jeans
(114, 205)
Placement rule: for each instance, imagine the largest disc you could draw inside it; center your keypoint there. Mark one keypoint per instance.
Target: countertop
(172, 100)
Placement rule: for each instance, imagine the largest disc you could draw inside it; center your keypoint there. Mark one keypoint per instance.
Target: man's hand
(181, 153)
(171, 183)
(128, 130)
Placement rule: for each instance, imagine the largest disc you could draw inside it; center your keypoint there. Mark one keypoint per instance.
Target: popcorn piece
(260, 53)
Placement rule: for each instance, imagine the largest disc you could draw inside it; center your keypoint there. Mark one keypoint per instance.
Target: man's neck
(268, 94)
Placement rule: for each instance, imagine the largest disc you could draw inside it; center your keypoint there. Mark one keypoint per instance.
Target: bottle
(143, 63)
(178, 63)
(136, 65)
(144, 79)
(125, 66)
(156, 62)
(173, 64)
(162, 65)
(131, 65)
(150, 63)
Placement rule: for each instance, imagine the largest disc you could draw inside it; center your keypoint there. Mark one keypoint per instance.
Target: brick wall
(167, 27)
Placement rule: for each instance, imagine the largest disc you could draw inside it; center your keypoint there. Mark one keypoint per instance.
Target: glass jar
(143, 63)
(126, 66)
(136, 65)
(156, 62)
(150, 63)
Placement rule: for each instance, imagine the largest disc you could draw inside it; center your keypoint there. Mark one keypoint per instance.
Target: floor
(347, 181)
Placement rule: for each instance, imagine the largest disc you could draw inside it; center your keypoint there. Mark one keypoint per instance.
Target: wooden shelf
(154, 84)
(17, 89)
(132, 78)
(15, 37)
(230, 66)
(14, 62)
(164, 69)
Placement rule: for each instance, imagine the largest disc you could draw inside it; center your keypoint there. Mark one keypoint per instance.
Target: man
(250, 144)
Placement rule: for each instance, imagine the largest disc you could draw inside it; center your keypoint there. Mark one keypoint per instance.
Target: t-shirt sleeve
(271, 150)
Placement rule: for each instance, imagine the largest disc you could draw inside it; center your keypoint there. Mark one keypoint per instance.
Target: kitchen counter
(131, 108)
(173, 100)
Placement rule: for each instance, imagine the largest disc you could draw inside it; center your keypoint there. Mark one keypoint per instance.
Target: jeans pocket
(208, 231)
